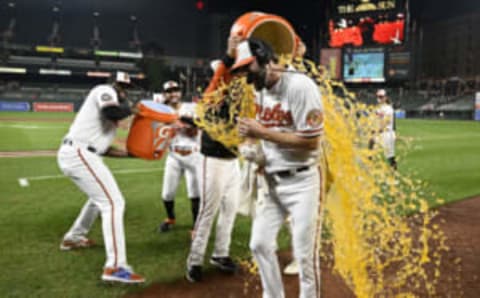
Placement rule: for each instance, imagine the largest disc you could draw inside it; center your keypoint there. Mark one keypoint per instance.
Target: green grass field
(444, 154)
(33, 219)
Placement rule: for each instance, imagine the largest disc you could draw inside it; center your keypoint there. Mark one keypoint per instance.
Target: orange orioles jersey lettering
(275, 116)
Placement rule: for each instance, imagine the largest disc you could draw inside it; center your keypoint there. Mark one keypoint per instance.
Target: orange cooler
(150, 133)
(272, 29)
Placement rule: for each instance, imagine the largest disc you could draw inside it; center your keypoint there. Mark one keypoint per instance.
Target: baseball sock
(195, 206)
(393, 162)
(170, 208)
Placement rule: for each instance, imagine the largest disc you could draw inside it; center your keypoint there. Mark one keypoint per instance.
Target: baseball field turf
(34, 218)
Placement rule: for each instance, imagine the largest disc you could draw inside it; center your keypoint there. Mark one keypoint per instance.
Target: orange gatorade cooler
(150, 132)
(272, 29)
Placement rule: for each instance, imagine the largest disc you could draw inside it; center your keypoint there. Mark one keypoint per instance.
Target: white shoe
(76, 244)
(291, 268)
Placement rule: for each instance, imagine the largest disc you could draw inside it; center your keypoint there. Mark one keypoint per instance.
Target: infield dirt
(460, 268)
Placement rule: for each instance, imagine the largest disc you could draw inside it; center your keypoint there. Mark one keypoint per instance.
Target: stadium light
(47, 49)
(58, 72)
(200, 4)
(106, 53)
(133, 55)
(98, 74)
(138, 76)
(13, 70)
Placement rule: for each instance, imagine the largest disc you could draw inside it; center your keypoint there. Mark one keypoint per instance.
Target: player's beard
(258, 79)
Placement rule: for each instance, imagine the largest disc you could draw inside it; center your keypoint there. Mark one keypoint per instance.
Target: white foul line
(23, 181)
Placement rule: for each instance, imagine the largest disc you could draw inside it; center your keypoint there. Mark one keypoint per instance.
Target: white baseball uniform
(387, 136)
(183, 157)
(292, 105)
(79, 158)
(220, 186)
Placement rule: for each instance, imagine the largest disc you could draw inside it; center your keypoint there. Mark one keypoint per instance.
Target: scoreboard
(367, 23)
(364, 65)
(345, 7)
(366, 41)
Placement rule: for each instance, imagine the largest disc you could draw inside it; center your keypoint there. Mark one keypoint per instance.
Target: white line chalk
(24, 181)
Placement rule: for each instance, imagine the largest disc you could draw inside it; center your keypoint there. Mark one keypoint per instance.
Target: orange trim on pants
(110, 200)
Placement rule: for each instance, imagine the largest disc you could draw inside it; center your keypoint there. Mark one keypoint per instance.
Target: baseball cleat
(225, 264)
(121, 275)
(291, 268)
(194, 274)
(166, 225)
(76, 244)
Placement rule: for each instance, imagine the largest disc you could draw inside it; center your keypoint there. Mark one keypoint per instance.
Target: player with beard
(289, 124)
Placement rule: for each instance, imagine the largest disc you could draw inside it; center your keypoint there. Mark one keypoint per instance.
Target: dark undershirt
(210, 147)
(116, 113)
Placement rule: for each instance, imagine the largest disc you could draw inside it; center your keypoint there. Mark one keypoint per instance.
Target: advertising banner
(52, 107)
(398, 65)
(349, 7)
(400, 114)
(19, 106)
(477, 106)
(331, 60)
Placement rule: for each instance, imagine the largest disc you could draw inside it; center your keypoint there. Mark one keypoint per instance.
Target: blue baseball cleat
(122, 275)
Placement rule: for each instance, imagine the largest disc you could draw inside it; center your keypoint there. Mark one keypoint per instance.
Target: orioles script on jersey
(274, 117)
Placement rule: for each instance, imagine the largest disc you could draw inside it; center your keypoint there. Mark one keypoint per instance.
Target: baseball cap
(251, 50)
(170, 85)
(122, 77)
(244, 55)
(381, 92)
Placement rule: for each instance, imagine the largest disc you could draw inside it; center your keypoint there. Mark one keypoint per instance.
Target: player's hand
(178, 125)
(116, 152)
(248, 127)
(233, 42)
(134, 110)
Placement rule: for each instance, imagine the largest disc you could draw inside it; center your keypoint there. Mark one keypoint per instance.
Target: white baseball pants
(175, 166)
(387, 139)
(298, 196)
(88, 171)
(219, 188)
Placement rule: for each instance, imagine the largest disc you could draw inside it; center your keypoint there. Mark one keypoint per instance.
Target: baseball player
(289, 124)
(386, 128)
(183, 157)
(219, 174)
(292, 267)
(79, 157)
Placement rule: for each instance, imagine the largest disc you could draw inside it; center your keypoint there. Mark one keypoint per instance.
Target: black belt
(71, 142)
(291, 172)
